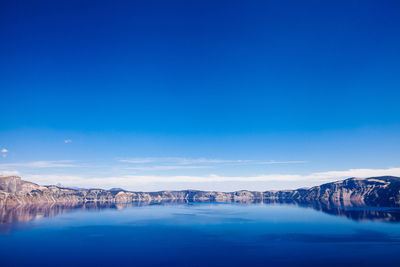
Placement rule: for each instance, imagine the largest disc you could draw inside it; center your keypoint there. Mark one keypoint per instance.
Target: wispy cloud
(40, 164)
(67, 141)
(214, 161)
(166, 167)
(4, 152)
(195, 161)
(280, 162)
(138, 160)
(210, 182)
(9, 173)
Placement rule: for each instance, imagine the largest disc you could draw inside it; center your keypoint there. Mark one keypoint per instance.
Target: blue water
(199, 234)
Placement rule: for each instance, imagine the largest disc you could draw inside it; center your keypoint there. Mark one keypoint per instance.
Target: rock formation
(376, 191)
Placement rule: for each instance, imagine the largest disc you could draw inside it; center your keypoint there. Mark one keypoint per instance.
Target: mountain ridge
(375, 191)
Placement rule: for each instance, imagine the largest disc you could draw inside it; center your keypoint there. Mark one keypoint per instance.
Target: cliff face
(370, 191)
(377, 191)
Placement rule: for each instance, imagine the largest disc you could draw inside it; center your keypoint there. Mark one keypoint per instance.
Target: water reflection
(357, 213)
(26, 213)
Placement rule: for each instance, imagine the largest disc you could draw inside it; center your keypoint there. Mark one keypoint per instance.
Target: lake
(199, 234)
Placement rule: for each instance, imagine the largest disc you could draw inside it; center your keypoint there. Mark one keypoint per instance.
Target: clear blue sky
(153, 90)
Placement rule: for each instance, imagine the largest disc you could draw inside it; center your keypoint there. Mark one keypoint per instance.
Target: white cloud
(4, 150)
(280, 162)
(210, 182)
(190, 161)
(205, 160)
(166, 167)
(138, 160)
(39, 164)
(361, 173)
(67, 141)
(9, 173)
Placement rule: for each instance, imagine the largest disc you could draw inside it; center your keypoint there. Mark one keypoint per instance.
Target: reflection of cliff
(28, 212)
(356, 212)
(25, 213)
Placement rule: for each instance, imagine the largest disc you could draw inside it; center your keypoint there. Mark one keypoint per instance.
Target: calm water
(199, 234)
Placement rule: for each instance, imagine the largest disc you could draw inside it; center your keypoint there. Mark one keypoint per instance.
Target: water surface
(199, 234)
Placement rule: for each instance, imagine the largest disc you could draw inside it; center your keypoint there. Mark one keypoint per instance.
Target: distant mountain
(375, 191)
(116, 189)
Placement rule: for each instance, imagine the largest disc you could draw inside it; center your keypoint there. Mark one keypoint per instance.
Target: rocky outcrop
(381, 191)
(376, 191)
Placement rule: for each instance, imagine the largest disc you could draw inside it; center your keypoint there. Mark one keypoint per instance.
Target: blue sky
(222, 95)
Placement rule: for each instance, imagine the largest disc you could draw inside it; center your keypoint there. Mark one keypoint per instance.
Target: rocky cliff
(376, 191)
